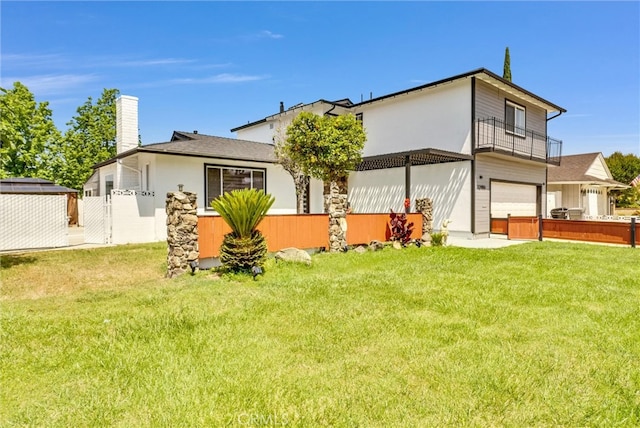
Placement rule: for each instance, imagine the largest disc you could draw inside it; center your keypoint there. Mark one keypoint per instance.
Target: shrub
(437, 239)
(245, 247)
(400, 230)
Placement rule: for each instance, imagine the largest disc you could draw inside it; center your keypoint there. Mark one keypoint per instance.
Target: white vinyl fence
(97, 219)
(126, 216)
(33, 221)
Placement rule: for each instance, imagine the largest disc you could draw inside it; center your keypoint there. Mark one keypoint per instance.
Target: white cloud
(219, 78)
(269, 35)
(34, 60)
(50, 83)
(149, 62)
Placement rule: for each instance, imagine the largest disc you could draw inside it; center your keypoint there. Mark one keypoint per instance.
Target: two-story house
(475, 143)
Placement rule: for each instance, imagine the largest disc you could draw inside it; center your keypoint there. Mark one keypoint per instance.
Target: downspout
(546, 172)
(131, 169)
(473, 161)
(553, 117)
(328, 112)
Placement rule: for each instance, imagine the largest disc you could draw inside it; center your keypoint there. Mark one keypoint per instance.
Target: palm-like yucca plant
(245, 247)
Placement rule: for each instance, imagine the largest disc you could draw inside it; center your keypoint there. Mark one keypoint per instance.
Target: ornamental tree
(327, 148)
(506, 69)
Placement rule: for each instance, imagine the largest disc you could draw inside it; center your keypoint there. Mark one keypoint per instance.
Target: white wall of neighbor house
(598, 169)
(448, 185)
(438, 117)
(107, 172)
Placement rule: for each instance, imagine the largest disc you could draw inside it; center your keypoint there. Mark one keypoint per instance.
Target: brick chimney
(126, 123)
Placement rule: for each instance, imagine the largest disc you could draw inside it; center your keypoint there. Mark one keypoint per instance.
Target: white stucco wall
(190, 171)
(133, 217)
(437, 117)
(377, 191)
(448, 185)
(275, 128)
(147, 222)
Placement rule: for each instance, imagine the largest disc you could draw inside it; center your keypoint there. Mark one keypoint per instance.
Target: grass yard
(539, 334)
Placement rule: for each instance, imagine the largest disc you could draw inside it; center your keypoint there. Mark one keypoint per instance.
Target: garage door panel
(513, 199)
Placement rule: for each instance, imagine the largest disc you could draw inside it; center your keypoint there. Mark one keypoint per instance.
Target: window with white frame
(221, 179)
(514, 118)
(108, 184)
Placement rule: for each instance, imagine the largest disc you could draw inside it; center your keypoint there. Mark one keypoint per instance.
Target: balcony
(494, 135)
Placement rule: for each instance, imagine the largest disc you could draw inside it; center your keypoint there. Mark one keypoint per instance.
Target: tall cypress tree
(506, 73)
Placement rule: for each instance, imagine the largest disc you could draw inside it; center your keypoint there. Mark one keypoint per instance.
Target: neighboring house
(582, 183)
(475, 143)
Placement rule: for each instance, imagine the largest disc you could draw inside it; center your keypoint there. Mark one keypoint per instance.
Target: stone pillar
(425, 207)
(182, 232)
(337, 207)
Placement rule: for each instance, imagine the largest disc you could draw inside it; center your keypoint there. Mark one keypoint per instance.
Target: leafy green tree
(243, 210)
(327, 148)
(28, 134)
(506, 70)
(90, 139)
(624, 168)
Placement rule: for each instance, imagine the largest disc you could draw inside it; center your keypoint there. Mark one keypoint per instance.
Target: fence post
(633, 232)
(539, 227)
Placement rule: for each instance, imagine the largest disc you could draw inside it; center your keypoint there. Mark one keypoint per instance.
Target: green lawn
(539, 334)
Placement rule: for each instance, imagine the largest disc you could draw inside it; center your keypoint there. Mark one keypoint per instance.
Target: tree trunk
(301, 182)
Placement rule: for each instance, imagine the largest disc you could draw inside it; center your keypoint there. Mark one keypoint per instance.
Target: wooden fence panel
(302, 231)
(522, 228)
(500, 226)
(610, 232)
(364, 228)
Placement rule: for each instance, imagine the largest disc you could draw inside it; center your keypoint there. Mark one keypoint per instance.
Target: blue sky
(213, 66)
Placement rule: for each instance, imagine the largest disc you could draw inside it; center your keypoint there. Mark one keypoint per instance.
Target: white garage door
(514, 199)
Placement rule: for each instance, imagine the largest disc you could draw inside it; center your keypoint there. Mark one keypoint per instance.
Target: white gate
(33, 221)
(97, 219)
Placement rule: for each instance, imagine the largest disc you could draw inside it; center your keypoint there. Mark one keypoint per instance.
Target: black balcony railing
(494, 135)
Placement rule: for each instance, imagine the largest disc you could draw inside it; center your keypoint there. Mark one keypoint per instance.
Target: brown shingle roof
(573, 168)
(206, 146)
(193, 144)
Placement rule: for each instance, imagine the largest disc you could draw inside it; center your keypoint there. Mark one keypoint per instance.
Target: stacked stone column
(336, 205)
(182, 232)
(425, 207)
